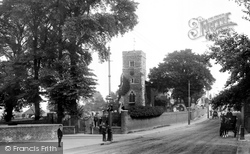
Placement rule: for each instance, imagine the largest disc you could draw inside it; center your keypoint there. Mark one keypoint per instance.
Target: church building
(134, 69)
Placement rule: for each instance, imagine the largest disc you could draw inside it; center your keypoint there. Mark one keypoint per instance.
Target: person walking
(100, 124)
(96, 119)
(91, 123)
(104, 125)
(60, 134)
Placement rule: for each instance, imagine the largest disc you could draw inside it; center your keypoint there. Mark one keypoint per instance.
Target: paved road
(199, 138)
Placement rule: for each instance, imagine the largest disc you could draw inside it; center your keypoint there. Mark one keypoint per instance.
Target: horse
(224, 126)
(228, 124)
(215, 115)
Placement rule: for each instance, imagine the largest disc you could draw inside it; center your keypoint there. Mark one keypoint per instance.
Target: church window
(132, 80)
(131, 64)
(132, 97)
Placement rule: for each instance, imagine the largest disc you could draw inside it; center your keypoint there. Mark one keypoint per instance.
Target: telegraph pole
(109, 75)
(189, 102)
(110, 108)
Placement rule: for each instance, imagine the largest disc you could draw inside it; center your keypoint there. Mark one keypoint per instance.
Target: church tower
(134, 69)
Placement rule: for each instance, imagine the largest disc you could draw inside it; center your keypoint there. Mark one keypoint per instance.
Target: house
(31, 112)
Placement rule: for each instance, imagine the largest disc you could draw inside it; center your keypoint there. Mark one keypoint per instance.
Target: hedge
(142, 112)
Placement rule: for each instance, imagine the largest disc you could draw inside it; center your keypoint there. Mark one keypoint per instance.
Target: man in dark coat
(104, 125)
(229, 114)
(59, 135)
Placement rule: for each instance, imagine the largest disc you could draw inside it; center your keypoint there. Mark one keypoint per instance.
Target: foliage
(80, 111)
(96, 103)
(179, 68)
(162, 100)
(141, 112)
(11, 90)
(114, 102)
(53, 41)
(232, 53)
(124, 87)
(246, 9)
(228, 98)
(162, 103)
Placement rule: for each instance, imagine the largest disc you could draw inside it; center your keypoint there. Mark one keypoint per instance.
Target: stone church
(134, 69)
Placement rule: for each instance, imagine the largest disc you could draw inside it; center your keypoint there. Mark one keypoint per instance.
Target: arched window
(131, 97)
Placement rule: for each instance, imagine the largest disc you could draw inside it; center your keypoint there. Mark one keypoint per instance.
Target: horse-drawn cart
(215, 115)
(228, 124)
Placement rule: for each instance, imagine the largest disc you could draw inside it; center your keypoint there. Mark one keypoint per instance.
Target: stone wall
(34, 132)
(128, 124)
(198, 113)
(69, 129)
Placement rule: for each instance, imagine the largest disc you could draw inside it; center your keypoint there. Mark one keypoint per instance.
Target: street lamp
(109, 99)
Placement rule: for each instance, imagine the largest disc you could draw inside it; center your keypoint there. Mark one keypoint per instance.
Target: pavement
(244, 145)
(72, 141)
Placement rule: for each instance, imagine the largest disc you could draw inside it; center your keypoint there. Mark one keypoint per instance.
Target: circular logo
(7, 148)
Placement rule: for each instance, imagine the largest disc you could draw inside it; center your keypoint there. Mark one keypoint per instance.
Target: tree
(96, 103)
(179, 68)
(115, 101)
(246, 4)
(88, 26)
(232, 53)
(124, 87)
(231, 97)
(13, 60)
(26, 31)
(59, 38)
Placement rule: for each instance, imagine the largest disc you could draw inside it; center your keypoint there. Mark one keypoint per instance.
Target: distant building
(31, 112)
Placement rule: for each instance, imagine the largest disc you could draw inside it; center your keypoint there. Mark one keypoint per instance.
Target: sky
(163, 28)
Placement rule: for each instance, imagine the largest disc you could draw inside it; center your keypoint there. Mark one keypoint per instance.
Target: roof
(31, 110)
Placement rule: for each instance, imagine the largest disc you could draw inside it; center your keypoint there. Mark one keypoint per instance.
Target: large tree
(180, 68)
(96, 103)
(84, 27)
(60, 36)
(13, 66)
(26, 32)
(233, 54)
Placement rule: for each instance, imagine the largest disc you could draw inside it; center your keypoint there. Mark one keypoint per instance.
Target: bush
(142, 112)
(12, 123)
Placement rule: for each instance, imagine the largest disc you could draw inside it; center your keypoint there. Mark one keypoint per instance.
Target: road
(200, 138)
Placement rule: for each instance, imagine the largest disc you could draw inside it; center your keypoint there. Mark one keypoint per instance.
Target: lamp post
(110, 109)
(109, 99)
(109, 75)
(188, 102)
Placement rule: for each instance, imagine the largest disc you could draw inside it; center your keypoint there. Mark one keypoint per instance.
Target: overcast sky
(163, 28)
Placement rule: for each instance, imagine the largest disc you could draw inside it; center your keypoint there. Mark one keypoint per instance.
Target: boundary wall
(128, 124)
(23, 133)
